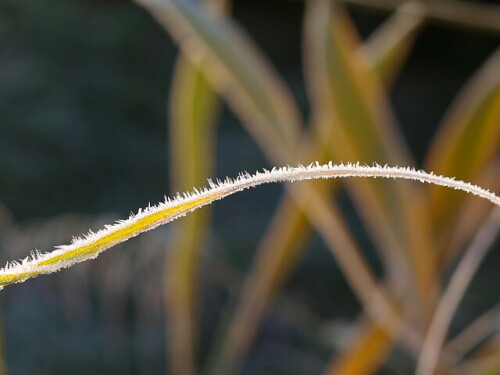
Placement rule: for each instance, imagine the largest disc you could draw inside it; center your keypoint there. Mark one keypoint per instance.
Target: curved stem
(91, 245)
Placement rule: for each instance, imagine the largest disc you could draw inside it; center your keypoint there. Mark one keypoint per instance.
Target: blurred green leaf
(366, 348)
(475, 332)
(486, 360)
(353, 117)
(387, 49)
(239, 72)
(275, 258)
(193, 109)
(466, 142)
(471, 215)
(459, 281)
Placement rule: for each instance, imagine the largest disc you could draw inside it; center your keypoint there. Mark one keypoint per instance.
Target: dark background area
(83, 109)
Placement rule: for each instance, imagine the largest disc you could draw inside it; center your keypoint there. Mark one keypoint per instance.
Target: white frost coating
(219, 190)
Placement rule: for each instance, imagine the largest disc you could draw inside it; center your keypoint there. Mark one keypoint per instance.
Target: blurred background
(84, 140)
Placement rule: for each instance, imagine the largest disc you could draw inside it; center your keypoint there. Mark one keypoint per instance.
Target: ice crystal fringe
(92, 244)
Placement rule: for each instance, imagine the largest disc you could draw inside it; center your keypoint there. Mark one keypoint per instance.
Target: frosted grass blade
(92, 244)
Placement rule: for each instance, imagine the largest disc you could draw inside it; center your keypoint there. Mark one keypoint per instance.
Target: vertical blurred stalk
(466, 142)
(193, 110)
(3, 362)
(7, 225)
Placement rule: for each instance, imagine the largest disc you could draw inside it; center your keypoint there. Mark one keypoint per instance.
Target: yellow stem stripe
(16, 278)
(123, 234)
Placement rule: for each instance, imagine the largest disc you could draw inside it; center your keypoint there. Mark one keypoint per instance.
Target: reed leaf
(475, 333)
(486, 361)
(354, 118)
(389, 46)
(466, 142)
(192, 143)
(3, 359)
(462, 14)
(460, 280)
(386, 50)
(244, 78)
(275, 257)
(368, 345)
(471, 214)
